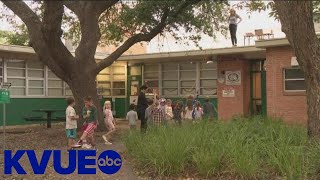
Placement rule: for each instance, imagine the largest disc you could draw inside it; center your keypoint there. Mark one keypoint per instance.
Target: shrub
(247, 148)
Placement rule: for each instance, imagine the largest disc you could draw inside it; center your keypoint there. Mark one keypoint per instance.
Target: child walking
(132, 117)
(71, 124)
(109, 122)
(89, 113)
(178, 112)
(198, 112)
(188, 110)
(168, 110)
(148, 114)
(208, 109)
(158, 115)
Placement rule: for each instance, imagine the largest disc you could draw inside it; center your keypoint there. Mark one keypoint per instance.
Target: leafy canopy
(128, 18)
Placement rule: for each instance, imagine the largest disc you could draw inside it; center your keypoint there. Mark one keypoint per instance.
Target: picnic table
(49, 113)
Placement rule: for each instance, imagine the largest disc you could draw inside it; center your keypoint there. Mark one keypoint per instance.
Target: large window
(36, 83)
(104, 82)
(182, 79)
(208, 78)
(151, 77)
(55, 85)
(119, 80)
(33, 78)
(188, 77)
(294, 80)
(170, 79)
(112, 81)
(16, 75)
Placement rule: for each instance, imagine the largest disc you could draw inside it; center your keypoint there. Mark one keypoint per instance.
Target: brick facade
(291, 107)
(240, 104)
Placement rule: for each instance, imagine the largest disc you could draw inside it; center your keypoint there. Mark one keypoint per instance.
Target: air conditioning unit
(294, 61)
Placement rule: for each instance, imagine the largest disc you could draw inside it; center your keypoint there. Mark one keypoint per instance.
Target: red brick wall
(292, 107)
(238, 105)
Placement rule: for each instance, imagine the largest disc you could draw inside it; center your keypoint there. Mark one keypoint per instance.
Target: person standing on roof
(233, 23)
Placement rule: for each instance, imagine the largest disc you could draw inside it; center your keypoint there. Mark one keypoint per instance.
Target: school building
(261, 79)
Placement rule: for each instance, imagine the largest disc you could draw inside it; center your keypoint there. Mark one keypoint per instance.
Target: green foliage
(256, 148)
(128, 18)
(14, 38)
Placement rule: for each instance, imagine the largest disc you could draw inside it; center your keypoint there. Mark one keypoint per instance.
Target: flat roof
(11, 50)
(275, 42)
(272, 42)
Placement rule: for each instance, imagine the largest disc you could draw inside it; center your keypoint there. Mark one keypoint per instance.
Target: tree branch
(88, 14)
(51, 29)
(142, 36)
(33, 24)
(100, 6)
(297, 28)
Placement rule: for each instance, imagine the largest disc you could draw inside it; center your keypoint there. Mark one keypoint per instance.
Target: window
(67, 90)
(135, 70)
(104, 82)
(170, 79)
(188, 75)
(119, 80)
(151, 77)
(294, 80)
(16, 75)
(55, 85)
(208, 78)
(112, 81)
(36, 83)
(183, 79)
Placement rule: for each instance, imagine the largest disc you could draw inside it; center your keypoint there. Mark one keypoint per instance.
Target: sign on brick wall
(233, 77)
(228, 93)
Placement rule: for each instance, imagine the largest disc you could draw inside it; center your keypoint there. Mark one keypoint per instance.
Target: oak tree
(123, 23)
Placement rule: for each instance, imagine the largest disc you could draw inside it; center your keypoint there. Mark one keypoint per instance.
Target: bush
(246, 148)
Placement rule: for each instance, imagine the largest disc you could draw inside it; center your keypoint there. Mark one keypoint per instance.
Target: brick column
(240, 103)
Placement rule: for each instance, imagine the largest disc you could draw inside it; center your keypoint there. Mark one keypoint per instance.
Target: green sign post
(4, 96)
(4, 99)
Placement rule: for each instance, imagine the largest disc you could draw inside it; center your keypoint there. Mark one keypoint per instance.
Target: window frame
(284, 80)
(28, 79)
(177, 80)
(25, 87)
(157, 65)
(111, 75)
(54, 79)
(205, 78)
(196, 89)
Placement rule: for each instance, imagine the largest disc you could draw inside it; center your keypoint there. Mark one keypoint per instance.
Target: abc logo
(109, 162)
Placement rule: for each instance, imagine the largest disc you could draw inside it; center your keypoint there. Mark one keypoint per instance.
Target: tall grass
(253, 148)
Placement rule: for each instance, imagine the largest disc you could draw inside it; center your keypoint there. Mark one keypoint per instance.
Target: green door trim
(129, 79)
(263, 87)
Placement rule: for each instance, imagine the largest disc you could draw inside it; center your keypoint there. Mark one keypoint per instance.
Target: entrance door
(134, 83)
(258, 88)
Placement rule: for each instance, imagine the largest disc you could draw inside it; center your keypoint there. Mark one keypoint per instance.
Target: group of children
(89, 114)
(159, 112)
(162, 111)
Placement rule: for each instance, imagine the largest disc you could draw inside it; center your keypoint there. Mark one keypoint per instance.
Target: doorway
(258, 98)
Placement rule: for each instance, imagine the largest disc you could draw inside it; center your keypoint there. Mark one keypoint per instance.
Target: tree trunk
(313, 100)
(300, 31)
(83, 85)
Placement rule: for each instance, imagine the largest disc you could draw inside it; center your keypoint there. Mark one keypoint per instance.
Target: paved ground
(39, 138)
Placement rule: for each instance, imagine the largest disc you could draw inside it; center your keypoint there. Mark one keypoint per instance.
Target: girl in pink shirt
(109, 122)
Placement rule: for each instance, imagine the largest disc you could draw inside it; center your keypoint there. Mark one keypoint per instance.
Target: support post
(4, 126)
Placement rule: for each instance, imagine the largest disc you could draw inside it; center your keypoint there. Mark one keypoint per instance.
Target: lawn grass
(255, 148)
